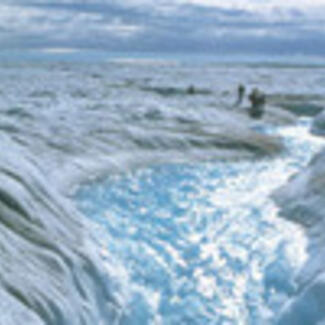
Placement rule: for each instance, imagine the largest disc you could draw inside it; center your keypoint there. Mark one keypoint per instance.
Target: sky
(184, 26)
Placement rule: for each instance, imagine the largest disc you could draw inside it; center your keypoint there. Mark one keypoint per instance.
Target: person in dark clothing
(257, 100)
(241, 94)
(191, 90)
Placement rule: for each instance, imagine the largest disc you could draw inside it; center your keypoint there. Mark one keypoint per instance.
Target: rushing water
(202, 243)
(183, 237)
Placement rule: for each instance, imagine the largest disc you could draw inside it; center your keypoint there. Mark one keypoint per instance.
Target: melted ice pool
(202, 243)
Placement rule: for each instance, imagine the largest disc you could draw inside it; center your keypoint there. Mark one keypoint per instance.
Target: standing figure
(191, 90)
(257, 100)
(241, 94)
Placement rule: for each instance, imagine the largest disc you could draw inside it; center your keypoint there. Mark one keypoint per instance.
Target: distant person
(241, 94)
(191, 90)
(257, 99)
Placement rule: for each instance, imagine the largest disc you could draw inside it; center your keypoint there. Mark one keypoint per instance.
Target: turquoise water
(201, 243)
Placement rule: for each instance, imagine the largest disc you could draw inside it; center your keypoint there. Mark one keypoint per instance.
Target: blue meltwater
(201, 243)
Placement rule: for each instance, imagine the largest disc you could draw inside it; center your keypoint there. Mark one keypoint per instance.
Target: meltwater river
(202, 243)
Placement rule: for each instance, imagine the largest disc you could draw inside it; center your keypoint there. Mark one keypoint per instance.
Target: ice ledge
(302, 201)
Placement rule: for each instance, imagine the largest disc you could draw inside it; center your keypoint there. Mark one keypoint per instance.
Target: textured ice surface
(67, 122)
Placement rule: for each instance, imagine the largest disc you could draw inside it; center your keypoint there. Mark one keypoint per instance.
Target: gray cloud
(165, 25)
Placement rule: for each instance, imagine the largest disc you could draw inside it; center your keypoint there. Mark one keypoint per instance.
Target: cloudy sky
(208, 26)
